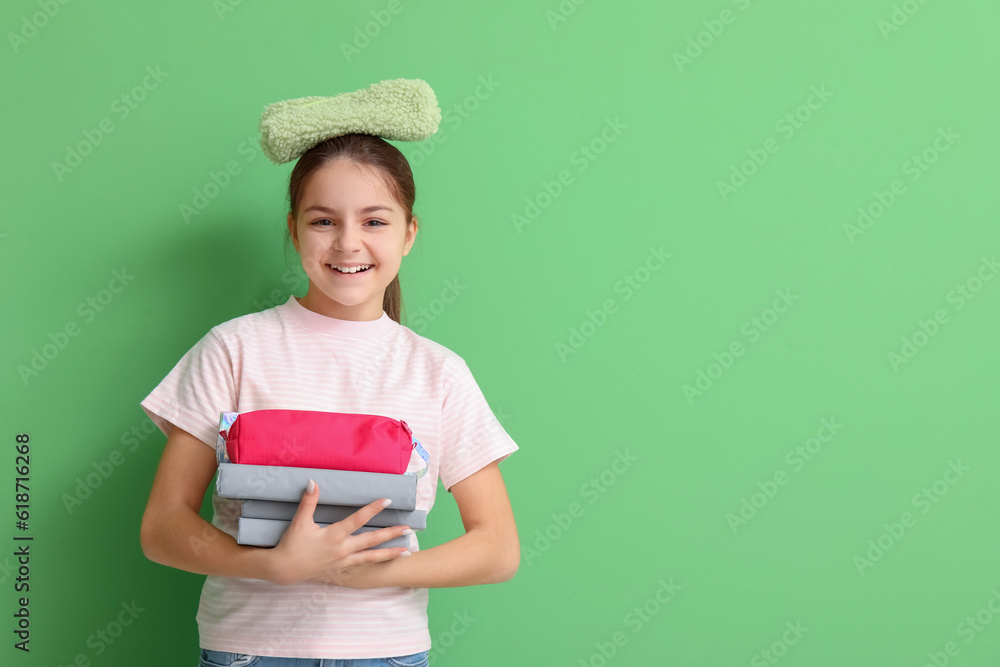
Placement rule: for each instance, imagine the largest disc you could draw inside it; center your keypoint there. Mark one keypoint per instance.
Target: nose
(347, 238)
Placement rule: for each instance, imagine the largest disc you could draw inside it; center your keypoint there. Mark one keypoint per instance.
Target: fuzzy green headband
(396, 109)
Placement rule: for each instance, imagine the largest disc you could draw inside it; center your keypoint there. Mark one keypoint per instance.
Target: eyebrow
(333, 211)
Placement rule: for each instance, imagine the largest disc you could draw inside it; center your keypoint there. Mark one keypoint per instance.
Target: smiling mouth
(350, 272)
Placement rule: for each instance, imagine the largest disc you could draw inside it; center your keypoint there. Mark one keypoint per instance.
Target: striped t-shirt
(290, 357)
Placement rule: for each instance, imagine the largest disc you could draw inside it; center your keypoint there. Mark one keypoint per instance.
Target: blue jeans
(211, 658)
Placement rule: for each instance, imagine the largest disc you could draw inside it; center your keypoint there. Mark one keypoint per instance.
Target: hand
(363, 575)
(329, 553)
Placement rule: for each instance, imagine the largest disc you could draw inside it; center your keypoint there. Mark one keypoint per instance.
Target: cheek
(311, 252)
(312, 263)
(392, 261)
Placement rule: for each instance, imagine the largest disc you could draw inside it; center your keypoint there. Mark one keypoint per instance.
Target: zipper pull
(405, 427)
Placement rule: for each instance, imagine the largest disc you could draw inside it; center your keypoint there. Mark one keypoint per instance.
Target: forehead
(342, 180)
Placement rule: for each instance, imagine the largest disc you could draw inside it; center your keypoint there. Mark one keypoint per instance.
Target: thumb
(307, 505)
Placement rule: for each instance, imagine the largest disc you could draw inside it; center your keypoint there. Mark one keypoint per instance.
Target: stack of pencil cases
(271, 495)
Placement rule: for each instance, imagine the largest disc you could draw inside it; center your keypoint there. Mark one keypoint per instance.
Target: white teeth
(353, 269)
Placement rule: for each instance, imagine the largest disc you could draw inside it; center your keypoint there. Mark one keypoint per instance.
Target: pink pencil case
(313, 439)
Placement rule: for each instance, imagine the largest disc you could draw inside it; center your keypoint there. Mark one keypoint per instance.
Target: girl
(319, 597)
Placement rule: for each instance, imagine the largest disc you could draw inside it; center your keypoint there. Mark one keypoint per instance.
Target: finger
(307, 505)
(373, 538)
(364, 515)
(375, 556)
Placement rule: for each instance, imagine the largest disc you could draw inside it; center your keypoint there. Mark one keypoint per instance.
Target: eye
(378, 223)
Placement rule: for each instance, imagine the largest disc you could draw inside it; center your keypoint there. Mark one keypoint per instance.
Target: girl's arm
(174, 534)
(489, 552)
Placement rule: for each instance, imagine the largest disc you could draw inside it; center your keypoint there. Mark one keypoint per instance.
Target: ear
(411, 235)
(294, 231)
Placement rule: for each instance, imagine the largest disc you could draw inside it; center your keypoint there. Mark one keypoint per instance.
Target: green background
(895, 76)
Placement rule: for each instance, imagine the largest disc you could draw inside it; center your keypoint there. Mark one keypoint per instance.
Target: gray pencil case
(268, 532)
(277, 509)
(336, 487)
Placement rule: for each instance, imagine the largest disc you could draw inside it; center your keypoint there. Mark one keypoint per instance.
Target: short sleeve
(194, 393)
(471, 435)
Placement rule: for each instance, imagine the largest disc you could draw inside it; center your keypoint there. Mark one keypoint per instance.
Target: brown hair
(368, 151)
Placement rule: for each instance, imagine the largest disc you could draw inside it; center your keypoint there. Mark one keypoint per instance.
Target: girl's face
(347, 218)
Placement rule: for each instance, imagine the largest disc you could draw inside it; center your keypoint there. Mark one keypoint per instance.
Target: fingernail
(385, 503)
(406, 553)
(311, 486)
(407, 532)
